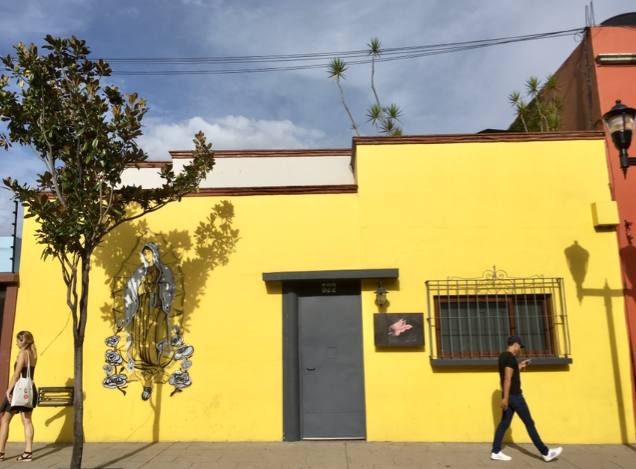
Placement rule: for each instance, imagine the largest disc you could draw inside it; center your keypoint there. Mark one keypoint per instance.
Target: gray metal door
(331, 361)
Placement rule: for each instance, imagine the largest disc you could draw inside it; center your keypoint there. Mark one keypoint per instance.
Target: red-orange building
(601, 70)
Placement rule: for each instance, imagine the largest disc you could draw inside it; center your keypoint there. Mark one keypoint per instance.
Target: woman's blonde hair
(27, 337)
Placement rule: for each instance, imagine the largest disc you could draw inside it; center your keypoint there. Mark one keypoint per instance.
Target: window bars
(472, 318)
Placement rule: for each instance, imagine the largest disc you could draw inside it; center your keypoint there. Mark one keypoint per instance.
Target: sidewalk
(319, 455)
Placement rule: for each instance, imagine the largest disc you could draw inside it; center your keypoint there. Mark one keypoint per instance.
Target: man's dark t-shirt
(508, 360)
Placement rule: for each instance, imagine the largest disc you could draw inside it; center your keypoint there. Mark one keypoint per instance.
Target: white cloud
(227, 133)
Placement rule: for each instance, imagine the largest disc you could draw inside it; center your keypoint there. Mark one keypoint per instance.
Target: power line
(355, 57)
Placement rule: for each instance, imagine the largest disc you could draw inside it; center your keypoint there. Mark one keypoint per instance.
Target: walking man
(513, 401)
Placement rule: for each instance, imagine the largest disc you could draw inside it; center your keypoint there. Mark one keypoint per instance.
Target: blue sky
(460, 92)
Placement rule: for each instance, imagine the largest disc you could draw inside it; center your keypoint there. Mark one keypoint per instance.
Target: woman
(27, 356)
(149, 295)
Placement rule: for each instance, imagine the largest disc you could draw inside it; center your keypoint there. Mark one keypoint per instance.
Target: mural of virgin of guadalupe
(148, 299)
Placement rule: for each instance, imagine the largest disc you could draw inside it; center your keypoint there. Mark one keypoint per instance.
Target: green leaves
(375, 47)
(382, 118)
(543, 112)
(336, 69)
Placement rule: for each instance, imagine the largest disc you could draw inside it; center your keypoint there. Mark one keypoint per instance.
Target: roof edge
(481, 138)
(186, 154)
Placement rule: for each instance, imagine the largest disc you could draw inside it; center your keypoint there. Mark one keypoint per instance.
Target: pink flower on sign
(399, 327)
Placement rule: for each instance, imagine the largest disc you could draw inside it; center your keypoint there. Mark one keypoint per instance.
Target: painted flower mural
(180, 379)
(112, 341)
(115, 381)
(176, 340)
(183, 352)
(113, 358)
(147, 344)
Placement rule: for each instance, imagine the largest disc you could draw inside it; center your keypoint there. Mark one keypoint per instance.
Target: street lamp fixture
(620, 125)
(380, 295)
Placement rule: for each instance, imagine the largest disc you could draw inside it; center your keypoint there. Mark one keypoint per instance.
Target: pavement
(318, 455)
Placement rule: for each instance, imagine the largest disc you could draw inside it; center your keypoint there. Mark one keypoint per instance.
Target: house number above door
(329, 288)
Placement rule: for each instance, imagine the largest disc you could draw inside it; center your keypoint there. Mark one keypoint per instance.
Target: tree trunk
(78, 409)
(78, 339)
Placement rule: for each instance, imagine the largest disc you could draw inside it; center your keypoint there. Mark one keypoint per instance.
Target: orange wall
(619, 82)
(597, 90)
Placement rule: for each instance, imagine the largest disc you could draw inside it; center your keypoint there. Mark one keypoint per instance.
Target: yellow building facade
(430, 217)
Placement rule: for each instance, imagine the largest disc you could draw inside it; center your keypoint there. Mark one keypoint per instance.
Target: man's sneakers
(552, 454)
(502, 457)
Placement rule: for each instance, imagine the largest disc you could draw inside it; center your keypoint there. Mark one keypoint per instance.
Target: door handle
(311, 369)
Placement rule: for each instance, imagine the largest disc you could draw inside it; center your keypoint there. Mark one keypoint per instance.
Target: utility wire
(358, 56)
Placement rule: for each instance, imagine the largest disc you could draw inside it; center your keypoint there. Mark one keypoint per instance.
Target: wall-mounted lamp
(380, 295)
(620, 125)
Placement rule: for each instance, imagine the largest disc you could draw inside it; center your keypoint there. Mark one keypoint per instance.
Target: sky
(461, 92)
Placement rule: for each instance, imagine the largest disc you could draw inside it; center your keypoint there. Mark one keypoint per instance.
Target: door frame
(291, 284)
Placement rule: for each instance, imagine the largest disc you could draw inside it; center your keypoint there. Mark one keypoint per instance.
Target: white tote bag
(23, 390)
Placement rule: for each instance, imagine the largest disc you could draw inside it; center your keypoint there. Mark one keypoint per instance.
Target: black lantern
(620, 125)
(380, 295)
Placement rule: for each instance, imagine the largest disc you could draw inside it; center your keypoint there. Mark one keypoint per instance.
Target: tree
(382, 118)
(84, 134)
(543, 112)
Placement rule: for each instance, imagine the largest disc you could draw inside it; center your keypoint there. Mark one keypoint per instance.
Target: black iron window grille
(472, 318)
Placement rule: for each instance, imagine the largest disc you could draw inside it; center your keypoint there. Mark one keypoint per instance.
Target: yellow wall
(432, 211)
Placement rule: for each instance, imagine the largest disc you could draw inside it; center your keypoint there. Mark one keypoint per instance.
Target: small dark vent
(626, 19)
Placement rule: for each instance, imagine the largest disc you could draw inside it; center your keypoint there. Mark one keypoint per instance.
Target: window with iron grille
(471, 319)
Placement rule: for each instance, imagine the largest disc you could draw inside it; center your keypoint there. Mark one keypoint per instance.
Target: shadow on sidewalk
(54, 448)
(125, 456)
(632, 447)
(525, 451)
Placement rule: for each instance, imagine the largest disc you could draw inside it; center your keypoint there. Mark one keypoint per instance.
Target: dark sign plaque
(399, 329)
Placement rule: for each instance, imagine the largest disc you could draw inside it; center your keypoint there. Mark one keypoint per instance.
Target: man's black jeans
(517, 403)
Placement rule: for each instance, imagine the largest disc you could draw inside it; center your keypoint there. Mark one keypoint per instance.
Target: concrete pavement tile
(325, 458)
(213, 465)
(127, 465)
(316, 465)
(285, 458)
(395, 466)
(183, 452)
(625, 459)
(435, 446)
(269, 465)
(371, 458)
(485, 461)
(252, 445)
(419, 458)
(162, 458)
(178, 464)
(468, 447)
(237, 456)
(183, 445)
(590, 461)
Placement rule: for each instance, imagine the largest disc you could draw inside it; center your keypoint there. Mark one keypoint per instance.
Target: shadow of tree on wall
(191, 256)
(66, 414)
(578, 263)
(210, 246)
